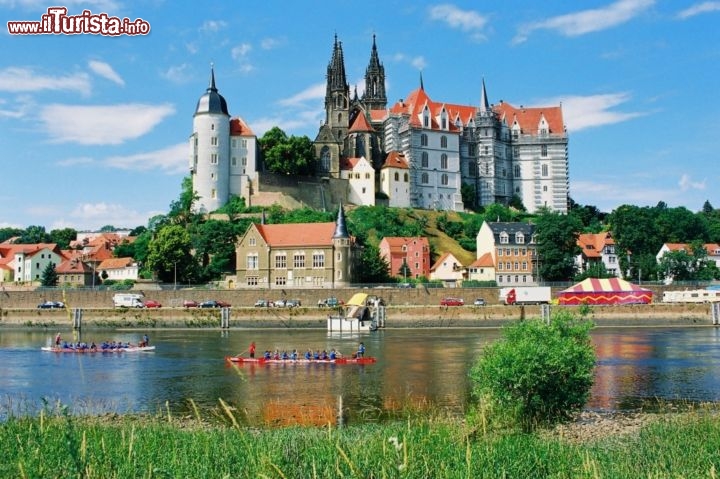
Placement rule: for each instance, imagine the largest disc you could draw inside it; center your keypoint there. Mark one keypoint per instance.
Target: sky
(94, 127)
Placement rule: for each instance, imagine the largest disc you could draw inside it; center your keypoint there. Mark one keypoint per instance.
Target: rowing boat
(131, 349)
(262, 361)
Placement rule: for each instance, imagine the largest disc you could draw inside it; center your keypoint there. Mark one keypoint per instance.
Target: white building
(361, 180)
(223, 153)
(395, 180)
(513, 249)
(449, 270)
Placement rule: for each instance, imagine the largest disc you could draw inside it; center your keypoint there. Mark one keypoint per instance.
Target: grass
(61, 445)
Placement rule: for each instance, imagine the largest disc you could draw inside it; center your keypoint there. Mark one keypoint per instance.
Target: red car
(189, 303)
(151, 303)
(452, 302)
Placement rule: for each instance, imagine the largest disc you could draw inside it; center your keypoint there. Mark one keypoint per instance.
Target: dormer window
(519, 238)
(504, 238)
(426, 117)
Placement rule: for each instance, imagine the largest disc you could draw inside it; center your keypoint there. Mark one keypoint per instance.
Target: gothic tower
(344, 257)
(210, 149)
(374, 97)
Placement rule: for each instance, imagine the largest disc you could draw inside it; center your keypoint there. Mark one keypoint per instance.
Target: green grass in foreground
(678, 446)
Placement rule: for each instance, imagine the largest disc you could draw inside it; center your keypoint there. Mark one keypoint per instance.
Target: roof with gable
(238, 127)
(712, 249)
(512, 228)
(116, 263)
(360, 124)
(528, 118)
(444, 257)
(72, 266)
(592, 244)
(350, 163)
(396, 159)
(484, 261)
(297, 235)
(396, 243)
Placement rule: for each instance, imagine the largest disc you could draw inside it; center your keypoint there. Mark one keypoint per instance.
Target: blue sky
(94, 128)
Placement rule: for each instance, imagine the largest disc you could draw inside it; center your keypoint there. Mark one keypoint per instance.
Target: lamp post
(175, 276)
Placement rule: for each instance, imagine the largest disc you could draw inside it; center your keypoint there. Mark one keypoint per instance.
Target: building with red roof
(406, 256)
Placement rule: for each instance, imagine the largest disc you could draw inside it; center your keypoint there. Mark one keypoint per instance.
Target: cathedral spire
(422, 87)
(374, 97)
(341, 230)
(484, 105)
(336, 80)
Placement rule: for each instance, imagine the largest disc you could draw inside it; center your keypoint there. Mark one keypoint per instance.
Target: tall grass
(61, 445)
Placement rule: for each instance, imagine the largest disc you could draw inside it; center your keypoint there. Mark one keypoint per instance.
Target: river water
(424, 368)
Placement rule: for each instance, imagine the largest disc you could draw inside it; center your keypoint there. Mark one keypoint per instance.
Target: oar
(238, 355)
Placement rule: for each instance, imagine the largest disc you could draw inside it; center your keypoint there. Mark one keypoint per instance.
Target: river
(423, 369)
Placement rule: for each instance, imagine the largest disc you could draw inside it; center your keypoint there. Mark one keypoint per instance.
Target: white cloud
(699, 8)
(17, 79)
(240, 51)
(173, 160)
(580, 112)
(80, 160)
(418, 62)
(92, 216)
(103, 124)
(178, 73)
(213, 25)
(686, 183)
(106, 71)
(465, 20)
(23, 106)
(313, 92)
(270, 43)
(587, 21)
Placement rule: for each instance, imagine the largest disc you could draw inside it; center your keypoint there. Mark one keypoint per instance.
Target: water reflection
(416, 368)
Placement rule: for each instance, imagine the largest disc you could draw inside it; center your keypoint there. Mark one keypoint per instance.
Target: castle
(417, 153)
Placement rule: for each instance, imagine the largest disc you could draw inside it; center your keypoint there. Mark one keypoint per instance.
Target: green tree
(108, 229)
(181, 210)
(214, 243)
(693, 265)
(34, 234)
(557, 245)
(373, 268)
(516, 202)
(536, 373)
(7, 233)
(287, 155)
(170, 251)
(49, 276)
(63, 237)
(596, 270)
(469, 199)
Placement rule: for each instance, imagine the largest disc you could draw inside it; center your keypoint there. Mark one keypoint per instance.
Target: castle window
(281, 260)
(471, 149)
(405, 177)
(299, 260)
(423, 140)
(444, 161)
(443, 141)
(544, 170)
(397, 176)
(516, 152)
(213, 194)
(424, 179)
(517, 171)
(214, 141)
(244, 161)
(318, 259)
(213, 159)
(212, 126)
(243, 143)
(424, 159)
(233, 161)
(444, 179)
(543, 150)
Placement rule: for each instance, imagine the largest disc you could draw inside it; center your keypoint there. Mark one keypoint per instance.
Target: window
(519, 238)
(504, 238)
(397, 176)
(500, 251)
(213, 159)
(252, 241)
(500, 266)
(543, 150)
(424, 179)
(471, 149)
(367, 176)
(516, 152)
(280, 281)
(281, 260)
(243, 143)
(516, 171)
(424, 159)
(443, 141)
(443, 161)
(213, 141)
(213, 193)
(233, 161)
(299, 260)
(252, 261)
(251, 280)
(318, 260)
(234, 143)
(444, 179)
(423, 140)
(405, 177)
(244, 161)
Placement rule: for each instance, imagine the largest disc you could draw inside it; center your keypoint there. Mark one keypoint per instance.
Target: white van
(128, 300)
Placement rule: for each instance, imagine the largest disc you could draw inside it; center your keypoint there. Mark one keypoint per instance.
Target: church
(417, 153)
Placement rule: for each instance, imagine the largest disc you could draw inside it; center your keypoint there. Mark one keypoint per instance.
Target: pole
(175, 276)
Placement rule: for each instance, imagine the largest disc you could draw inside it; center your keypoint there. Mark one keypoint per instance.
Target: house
(301, 255)
(712, 250)
(513, 249)
(30, 260)
(412, 251)
(75, 273)
(361, 180)
(395, 180)
(597, 248)
(449, 270)
(482, 269)
(118, 269)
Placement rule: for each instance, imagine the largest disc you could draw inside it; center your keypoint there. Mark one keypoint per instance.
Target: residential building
(118, 269)
(597, 248)
(75, 273)
(361, 180)
(482, 269)
(513, 249)
(712, 250)
(223, 153)
(449, 270)
(306, 255)
(30, 260)
(395, 180)
(406, 256)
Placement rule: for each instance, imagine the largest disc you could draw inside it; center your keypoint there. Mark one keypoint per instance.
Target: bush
(537, 373)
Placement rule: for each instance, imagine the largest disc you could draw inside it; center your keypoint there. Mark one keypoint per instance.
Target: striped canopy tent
(597, 291)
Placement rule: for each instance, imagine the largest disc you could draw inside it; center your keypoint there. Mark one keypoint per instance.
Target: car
(452, 302)
(263, 303)
(405, 285)
(214, 303)
(51, 305)
(280, 303)
(293, 303)
(479, 302)
(151, 303)
(331, 302)
(189, 303)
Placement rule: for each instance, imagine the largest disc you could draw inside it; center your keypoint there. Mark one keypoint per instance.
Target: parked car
(293, 303)
(51, 305)
(189, 303)
(280, 303)
(479, 302)
(214, 303)
(452, 302)
(405, 285)
(263, 303)
(151, 303)
(331, 302)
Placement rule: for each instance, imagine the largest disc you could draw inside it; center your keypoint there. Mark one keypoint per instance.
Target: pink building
(415, 251)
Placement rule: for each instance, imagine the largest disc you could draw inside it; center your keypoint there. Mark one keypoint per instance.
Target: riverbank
(404, 316)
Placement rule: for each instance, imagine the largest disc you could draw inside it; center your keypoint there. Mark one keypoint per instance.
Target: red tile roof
(592, 244)
(396, 159)
(297, 235)
(238, 127)
(116, 263)
(349, 163)
(484, 261)
(529, 118)
(360, 124)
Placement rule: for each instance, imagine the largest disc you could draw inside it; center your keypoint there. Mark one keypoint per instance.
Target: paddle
(238, 355)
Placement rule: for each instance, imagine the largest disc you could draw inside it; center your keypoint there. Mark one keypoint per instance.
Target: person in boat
(251, 349)
(285, 355)
(316, 355)
(58, 340)
(361, 350)
(324, 356)
(93, 346)
(308, 355)
(276, 354)
(333, 354)
(294, 355)
(145, 341)
(267, 354)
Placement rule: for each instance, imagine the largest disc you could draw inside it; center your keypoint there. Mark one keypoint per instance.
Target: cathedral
(417, 153)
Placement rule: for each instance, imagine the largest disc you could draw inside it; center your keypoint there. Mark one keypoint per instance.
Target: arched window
(444, 179)
(405, 177)
(443, 141)
(516, 171)
(424, 179)
(443, 161)
(397, 176)
(423, 140)
(424, 159)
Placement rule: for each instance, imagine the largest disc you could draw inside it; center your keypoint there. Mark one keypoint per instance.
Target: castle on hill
(418, 152)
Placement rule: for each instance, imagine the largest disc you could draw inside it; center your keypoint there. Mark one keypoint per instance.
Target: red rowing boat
(130, 349)
(243, 360)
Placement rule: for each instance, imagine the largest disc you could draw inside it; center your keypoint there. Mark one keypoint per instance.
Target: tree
(557, 245)
(596, 270)
(537, 373)
(373, 267)
(693, 265)
(181, 210)
(108, 229)
(287, 155)
(516, 202)
(34, 234)
(63, 237)
(169, 252)
(49, 276)
(214, 242)
(469, 199)
(7, 233)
